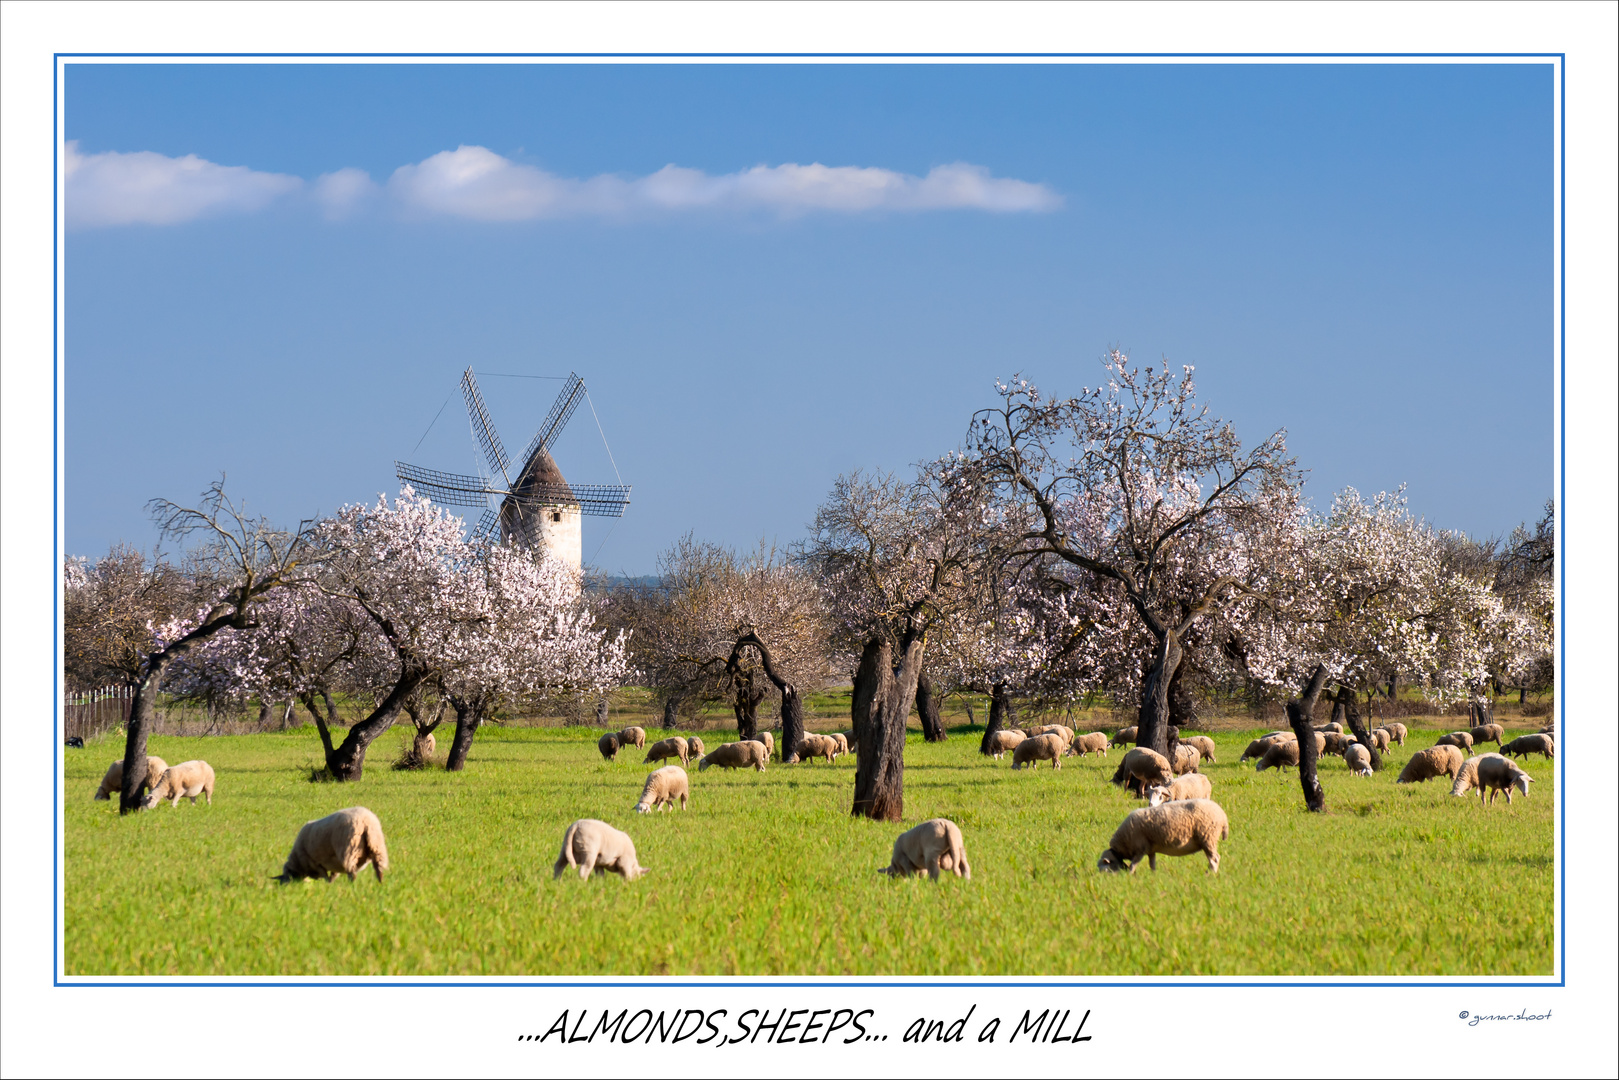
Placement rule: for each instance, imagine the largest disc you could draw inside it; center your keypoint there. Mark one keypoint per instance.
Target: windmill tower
(538, 507)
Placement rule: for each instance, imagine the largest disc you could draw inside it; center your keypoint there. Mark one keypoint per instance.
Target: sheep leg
(933, 867)
(1152, 861)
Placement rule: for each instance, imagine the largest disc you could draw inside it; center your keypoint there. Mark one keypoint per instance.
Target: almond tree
(1154, 480)
(894, 558)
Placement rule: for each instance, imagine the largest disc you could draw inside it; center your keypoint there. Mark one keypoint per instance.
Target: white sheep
(1397, 731)
(1186, 759)
(595, 846)
(850, 741)
(933, 846)
(694, 747)
(1143, 766)
(1092, 742)
(632, 736)
(344, 842)
(1190, 786)
(1030, 752)
(113, 779)
(1498, 773)
(999, 742)
(1172, 828)
(188, 779)
(736, 755)
(813, 746)
(1381, 738)
(767, 739)
(1462, 740)
(663, 749)
(1205, 747)
(1062, 731)
(1426, 764)
(1359, 759)
(663, 787)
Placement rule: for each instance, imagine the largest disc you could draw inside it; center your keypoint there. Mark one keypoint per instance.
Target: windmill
(537, 506)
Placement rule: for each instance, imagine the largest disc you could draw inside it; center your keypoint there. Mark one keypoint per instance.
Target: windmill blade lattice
(482, 429)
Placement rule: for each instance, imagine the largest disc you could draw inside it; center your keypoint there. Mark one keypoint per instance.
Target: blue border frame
(1116, 983)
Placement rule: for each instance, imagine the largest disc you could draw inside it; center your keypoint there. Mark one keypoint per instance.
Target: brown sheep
(1092, 742)
(1125, 736)
(663, 787)
(842, 740)
(1186, 759)
(632, 736)
(850, 741)
(813, 746)
(1435, 761)
(1397, 732)
(1000, 742)
(1488, 733)
(188, 779)
(1205, 747)
(672, 747)
(767, 739)
(1142, 766)
(1257, 748)
(1334, 743)
(933, 846)
(344, 842)
(593, 845)
(694, 747)
(736, 755)
(1190, 786)
(1173, 828)
(113, 780)
(1498, 773)
(608, 745)
(1066, 734)
(1380, 739)
(1539, 743)
(1030, 752)
(1462, 740)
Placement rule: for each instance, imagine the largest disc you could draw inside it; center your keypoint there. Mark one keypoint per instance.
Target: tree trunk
(347, 762)
(141, 714)
(1394, 687)
(1337, 709)
(1299, 718)
(885, 696)
(1153, 730)
(792, 724)
(1182, 708)
(468, 717)
(671, 713)
(746, 708)
(1346, 698)
(1481, 710)
(601, 713)
(322, 723)
(972, 721)
(1522, 694)
(927, 709)
(1002, 715)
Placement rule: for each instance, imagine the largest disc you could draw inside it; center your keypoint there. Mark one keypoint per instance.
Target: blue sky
(1358, 253)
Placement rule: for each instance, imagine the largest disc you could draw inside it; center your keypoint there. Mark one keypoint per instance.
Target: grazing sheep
(113, 780)
(1190, 786)
(842, 740)
(933, 846)
(1279, 755)
(1333, 742)
(1462, 740)
(1257, 748)
(1359, 759)
(694, 747)
(850, 741)
(1380, 739)
(1397, 732)
(1001, 741)
(674, 746)
(1426, 764)
(608, 745)
(1092, 742)
(340, 843)
(663, 787)
(1142, 766)
(1172, 828)
(1549, 729)
(1066, 734)
(768, 739)
(1334, 727)
(73, 741)
(1030, 752)
(736, 755)
(1538, 743)
(1498, 773)
(632, 736)
(1488, 733)
(593, 845)
(1205, 747)
(1124, 736)
(426, 744)
(1186, 759)
(812, 746)
(188, 779)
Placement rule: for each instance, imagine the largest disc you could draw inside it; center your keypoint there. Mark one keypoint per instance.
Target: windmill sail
(451, 489)
(482, 429)
(573, 391)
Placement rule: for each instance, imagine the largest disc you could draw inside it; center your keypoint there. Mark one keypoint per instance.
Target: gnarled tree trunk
(469, 716)
(1351, 713)
(792, 707)
(1299, 715)
(671, 713)
(1002, 715)
(883, 698)
(927, 710)
(347, 762)
(1154, 724)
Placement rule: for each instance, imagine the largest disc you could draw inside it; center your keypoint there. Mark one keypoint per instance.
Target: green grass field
(768, 874)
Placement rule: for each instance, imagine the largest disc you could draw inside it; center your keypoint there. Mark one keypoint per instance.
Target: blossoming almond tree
(1155, 479)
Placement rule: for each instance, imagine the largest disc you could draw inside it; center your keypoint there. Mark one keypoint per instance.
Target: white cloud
(146, 188)
(474, 182)
(342, 192)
